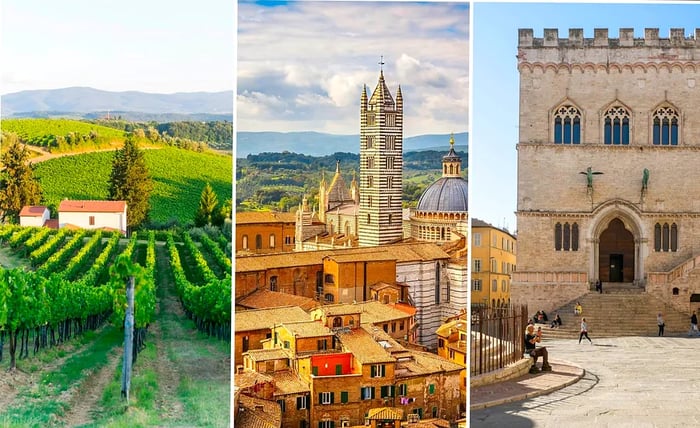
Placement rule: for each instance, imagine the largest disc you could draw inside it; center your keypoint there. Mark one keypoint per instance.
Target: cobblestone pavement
(629, 382)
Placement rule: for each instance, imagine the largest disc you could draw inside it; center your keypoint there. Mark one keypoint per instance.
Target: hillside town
(351, 311)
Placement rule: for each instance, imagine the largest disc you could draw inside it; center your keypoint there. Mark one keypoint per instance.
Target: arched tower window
(258, 241)
(567, 125)
(665, 126)
(557, 237)
(665, 237)
(272, 240)
(566, 237)
(244, 242)
(616, 126)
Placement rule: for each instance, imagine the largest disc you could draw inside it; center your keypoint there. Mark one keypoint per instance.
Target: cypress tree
(131, 182)
(18, 186)
(207, 212)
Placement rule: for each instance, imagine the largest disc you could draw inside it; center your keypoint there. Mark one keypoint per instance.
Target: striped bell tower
(381, 165)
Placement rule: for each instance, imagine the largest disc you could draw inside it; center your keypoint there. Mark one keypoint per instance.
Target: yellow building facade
(493, 263)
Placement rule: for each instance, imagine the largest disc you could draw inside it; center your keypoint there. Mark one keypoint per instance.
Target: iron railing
(497, 335)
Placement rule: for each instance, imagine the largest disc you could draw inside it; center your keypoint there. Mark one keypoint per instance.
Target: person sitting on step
(556, 322)
(531, 339)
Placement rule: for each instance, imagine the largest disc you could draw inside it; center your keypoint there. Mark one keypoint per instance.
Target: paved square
(629, 382)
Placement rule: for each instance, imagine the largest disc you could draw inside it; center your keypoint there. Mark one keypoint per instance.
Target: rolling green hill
(43, 132)
(179, 177)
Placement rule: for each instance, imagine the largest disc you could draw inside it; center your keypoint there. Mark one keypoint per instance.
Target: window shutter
(332, 397)
(320, 397)
(372, 392)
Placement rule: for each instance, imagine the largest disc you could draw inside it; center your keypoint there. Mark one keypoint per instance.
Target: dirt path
(169, 406)
(84, 402)
(10, 385)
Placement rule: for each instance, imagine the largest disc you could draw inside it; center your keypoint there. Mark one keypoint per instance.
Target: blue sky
(157, 46)
(494, 133)
(301, 65)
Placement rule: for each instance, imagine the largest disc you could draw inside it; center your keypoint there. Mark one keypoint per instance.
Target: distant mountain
(88, 100)
(320, 144)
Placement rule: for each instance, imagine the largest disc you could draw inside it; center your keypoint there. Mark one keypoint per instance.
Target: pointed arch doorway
(616, 253)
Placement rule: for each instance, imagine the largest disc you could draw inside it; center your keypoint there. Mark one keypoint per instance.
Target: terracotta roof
(340, 309)
(402, 253)
(405, 307)
(377, 255)
(380, 413)
(364, 348)
(267, 354)
(287, 382)
(264, 217)
(92, 206)
(424, 363)
(51, 223)
(32, 211)
(257, 413)
(250, 378)
(307, 329)
(382, 285)
(260, 319)
(458, 324)
(374, 312)
(273, 299)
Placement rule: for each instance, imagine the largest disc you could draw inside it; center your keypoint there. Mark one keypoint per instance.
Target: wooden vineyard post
(128, 338)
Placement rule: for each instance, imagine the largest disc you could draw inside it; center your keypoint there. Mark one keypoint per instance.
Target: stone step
(624, 311)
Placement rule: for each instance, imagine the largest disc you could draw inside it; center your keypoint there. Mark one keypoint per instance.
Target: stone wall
(511, 371)
(546, 296)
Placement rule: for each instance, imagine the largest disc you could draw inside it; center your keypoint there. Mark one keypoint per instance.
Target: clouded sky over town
(301, 65)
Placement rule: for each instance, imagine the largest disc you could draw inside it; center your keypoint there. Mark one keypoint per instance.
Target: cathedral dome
(447, 194)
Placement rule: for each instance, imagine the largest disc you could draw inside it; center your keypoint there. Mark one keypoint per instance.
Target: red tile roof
(92, 206)
(32, 211)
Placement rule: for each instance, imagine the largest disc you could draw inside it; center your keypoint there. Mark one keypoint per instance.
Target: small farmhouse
(34, 215)
(110, 215)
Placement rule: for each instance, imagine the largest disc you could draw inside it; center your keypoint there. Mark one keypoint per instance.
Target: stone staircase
(622, 310)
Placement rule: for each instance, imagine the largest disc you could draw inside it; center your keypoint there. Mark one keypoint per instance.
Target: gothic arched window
(566, 237)
(567, 125)
(666, 237)
(616, 126)
(665, 126)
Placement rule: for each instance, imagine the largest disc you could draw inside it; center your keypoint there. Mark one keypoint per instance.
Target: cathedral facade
(608, 165)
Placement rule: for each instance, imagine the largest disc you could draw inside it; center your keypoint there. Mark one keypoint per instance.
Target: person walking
(584, 331)
(693, 325)
(660, 322)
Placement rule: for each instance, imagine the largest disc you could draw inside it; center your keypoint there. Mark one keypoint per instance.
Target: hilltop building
(264, 232)
(608, 155)
(76, 214)
(493, 264)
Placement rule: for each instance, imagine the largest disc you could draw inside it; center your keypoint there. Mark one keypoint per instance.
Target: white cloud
(316, 57)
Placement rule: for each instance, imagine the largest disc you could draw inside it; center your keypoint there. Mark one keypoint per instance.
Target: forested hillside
(279, 181)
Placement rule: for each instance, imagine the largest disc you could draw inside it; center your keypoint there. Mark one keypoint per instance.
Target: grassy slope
(34, 130)
(179, 177)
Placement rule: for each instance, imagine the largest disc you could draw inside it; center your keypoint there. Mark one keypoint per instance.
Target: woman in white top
(584, 331)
